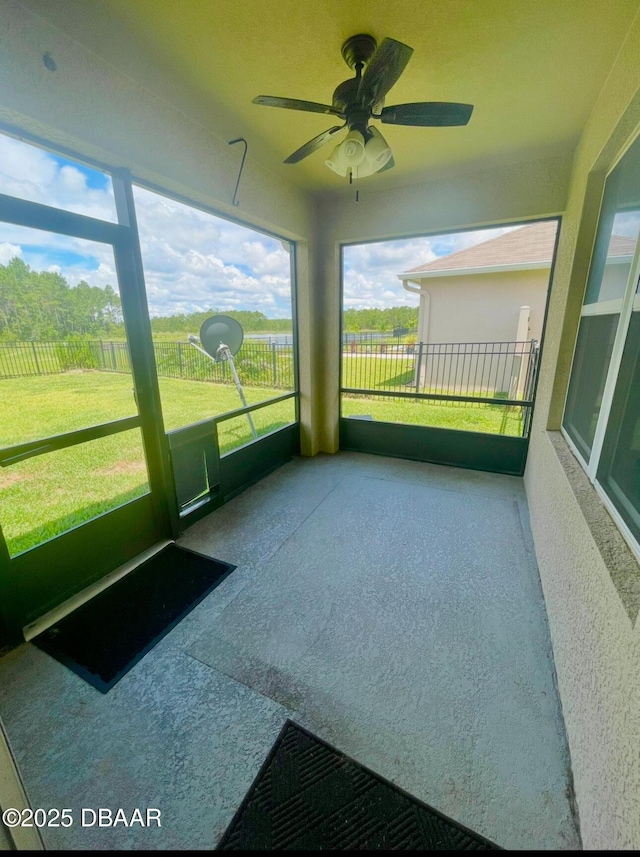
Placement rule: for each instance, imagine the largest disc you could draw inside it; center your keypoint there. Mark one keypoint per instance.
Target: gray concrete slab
(434, 475)
(390, 606)
(405, 624)
(172, 734)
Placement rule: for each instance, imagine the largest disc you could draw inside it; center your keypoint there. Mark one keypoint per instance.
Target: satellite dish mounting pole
(225, 354)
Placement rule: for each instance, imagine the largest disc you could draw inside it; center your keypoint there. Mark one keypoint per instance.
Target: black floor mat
(104, 638)
(310, 797)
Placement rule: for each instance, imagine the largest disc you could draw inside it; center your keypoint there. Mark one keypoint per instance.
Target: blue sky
(193, 261)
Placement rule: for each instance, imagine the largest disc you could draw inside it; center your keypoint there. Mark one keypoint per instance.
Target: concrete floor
(393, 608)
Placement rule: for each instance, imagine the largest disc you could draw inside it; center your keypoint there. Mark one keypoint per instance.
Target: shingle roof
(525, 245)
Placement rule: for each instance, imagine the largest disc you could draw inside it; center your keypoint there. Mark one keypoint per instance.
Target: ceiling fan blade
(390, 163)
(296, 104)
(313, 145)
(383, 70)
(427, 113)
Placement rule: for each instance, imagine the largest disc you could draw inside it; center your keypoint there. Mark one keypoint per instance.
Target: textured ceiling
(532, 69)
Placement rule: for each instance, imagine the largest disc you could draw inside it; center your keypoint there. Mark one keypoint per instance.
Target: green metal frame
(39, 579)
(47, 575)
(473, 450)
(214, 479)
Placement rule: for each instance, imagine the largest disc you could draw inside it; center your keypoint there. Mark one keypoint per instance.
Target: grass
(465, 416)
(375, 372)
(47, 495)
(397, 370)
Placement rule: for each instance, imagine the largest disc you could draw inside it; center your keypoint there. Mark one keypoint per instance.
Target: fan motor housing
(346, 94)
(345, 98)
(358, 49)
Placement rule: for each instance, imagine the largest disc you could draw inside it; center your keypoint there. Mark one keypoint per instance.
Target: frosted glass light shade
(352, 149)
(334, 162)
(377, 151)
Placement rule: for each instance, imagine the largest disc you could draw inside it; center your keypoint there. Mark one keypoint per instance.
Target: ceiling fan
(359, 99)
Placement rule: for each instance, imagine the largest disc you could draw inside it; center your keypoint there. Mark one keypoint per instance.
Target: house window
(602, 412)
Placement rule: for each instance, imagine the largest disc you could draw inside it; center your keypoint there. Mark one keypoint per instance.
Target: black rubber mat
(104, 638)
(310, 797)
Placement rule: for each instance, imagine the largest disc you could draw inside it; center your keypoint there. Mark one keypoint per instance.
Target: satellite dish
(219, 330)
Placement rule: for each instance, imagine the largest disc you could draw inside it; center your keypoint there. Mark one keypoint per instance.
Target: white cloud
(9, 251)
(194, 261)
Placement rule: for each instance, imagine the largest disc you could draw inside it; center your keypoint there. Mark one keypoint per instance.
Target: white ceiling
(532, 69)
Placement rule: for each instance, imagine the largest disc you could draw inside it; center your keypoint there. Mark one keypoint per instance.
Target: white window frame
(626, 305)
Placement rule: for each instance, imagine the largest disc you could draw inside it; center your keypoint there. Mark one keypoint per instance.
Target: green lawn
(395, 372)
(374, 372)
(492, 419)
(47, 495)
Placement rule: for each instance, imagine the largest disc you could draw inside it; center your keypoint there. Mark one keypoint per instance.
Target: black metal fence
(489, 370)
(364, 337)
(258, 363)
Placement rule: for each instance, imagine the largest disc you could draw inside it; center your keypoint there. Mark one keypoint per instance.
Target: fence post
(419, 366)
(35, 357)
(114, 364)
(180, 358)
(274, 363)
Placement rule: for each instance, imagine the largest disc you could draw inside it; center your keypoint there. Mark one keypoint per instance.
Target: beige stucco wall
(483, 307)
(596, 645)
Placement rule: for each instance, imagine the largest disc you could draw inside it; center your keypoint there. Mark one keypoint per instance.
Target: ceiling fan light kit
(360, 158)
(364, 151)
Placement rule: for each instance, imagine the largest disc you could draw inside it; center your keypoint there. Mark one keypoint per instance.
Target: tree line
(40, 305)
(254, 321)
(380, 319)
(251, 321)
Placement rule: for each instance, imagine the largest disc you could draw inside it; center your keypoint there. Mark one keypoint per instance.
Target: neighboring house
(496, 291)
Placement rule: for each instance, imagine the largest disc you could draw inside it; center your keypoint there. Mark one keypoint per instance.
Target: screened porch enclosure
(115, 432)
(466, 403)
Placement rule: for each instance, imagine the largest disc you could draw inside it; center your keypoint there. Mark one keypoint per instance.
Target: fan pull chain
(351, 182)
